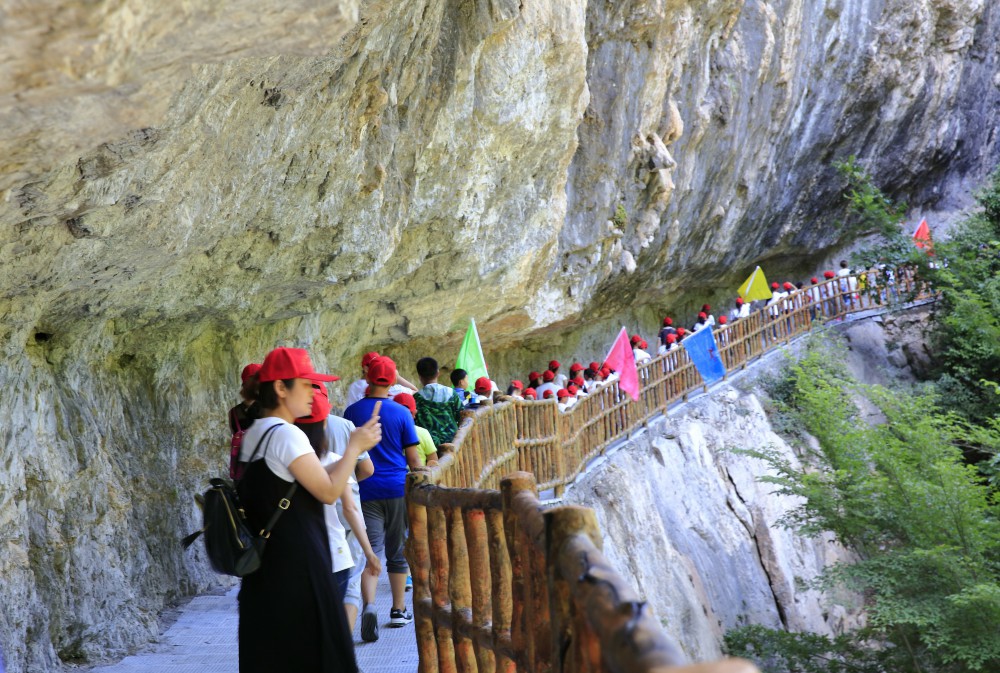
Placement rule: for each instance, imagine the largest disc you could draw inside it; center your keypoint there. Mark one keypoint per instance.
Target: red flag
(922, 237)
(622, 360)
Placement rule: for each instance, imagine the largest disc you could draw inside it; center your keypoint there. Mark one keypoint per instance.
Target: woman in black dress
(291, 612)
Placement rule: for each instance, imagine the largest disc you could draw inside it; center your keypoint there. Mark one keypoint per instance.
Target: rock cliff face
(686, 521)
(183, 189)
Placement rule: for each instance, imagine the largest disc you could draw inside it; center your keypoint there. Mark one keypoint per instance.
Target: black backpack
(233, 548)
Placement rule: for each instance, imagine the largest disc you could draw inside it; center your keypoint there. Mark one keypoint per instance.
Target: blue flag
(704, 354)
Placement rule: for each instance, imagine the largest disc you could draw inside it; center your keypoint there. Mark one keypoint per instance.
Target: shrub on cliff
(967, 320)
(924, 524)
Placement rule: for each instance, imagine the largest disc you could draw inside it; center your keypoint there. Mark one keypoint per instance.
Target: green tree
(924, 524)
(967, 319)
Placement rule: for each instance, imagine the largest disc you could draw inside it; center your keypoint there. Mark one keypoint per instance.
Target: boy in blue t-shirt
(382, 502)
(460, 382)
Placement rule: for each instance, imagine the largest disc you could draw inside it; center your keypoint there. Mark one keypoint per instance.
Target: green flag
(755, 287)
(470, 355)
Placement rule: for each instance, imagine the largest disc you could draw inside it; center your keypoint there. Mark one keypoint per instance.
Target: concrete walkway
(203, 640)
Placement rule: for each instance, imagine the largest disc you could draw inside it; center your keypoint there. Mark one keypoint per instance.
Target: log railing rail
(501, 583)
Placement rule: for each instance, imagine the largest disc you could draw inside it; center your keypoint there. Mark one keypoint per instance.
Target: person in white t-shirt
(357, 390)
(338, 435)
(548, 377)
(314, 426)
(295, 579)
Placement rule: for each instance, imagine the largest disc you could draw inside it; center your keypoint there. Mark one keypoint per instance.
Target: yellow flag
(755, 287)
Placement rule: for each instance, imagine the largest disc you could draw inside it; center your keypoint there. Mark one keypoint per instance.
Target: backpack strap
(285, 502)
(266, 435)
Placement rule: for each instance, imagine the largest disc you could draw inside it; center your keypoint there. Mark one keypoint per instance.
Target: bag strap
(285, 502)
(236, 419)
(266, 435)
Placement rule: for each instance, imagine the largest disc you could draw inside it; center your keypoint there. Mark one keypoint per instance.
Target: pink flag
(622, 360)
(922, 237)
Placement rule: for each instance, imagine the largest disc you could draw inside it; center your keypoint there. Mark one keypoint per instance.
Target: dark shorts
(386, 523)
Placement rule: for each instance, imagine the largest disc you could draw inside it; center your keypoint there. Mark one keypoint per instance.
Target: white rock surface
(688, 524)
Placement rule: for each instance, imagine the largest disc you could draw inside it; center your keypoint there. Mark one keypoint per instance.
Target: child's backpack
(235, 466)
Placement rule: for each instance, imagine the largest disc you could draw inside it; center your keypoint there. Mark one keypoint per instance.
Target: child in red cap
(548, 378)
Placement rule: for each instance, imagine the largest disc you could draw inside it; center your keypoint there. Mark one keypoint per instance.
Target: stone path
(203, 640)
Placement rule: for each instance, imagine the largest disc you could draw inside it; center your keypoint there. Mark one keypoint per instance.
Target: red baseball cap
(548, 394)
(681, 331)
(533, 376)
(774, 286)
(723, 320)
(553, 364)
(788, 286)
(702, 316)
(367, 359)
(579, 380)
(605, 371)
(249, 371)
(706, 308)
(290, 363)
(562, 393)
(829, 274)
(643, 344)
(594, 367)
(671, 338)
(530, 392)
(576, 367)
(739, 301)
(406, 399)
(572, 389)
(381, 371)
(483, 386)
(814, 280)
(320, 407)
(636, 339)
(548, 375)
(667, 322)
(517, 384)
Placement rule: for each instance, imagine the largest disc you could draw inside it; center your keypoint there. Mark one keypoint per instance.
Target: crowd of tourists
(349, 516)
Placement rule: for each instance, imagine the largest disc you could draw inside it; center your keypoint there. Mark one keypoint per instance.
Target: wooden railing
(501, 583)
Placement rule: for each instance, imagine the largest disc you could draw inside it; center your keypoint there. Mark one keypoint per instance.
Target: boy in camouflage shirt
(439, 408)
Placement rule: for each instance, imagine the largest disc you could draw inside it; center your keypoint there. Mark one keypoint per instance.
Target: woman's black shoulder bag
(233, 548)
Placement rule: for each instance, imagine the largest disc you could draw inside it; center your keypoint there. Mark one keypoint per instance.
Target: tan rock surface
(186, 185)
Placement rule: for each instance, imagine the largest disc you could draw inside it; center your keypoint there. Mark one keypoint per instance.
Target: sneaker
(409, 583)
(399, 618)
(369, 624)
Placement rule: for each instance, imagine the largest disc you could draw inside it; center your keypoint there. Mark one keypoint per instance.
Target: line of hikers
(351, 515)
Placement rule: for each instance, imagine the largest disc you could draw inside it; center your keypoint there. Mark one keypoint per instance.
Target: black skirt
(291, 612)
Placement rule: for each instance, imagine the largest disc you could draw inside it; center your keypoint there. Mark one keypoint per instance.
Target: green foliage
(620, 217)
(924, 524)
(967, 338)
(775, 650)
(872, 212)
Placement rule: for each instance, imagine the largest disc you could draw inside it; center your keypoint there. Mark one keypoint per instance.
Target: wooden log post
(501, 574)
(418, 556)
(562, 523)
(460, 590)
(481, 589)
(525, 531)
(437, 533)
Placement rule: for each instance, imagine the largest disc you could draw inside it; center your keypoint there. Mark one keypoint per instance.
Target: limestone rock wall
(687, 523)
(186, 186)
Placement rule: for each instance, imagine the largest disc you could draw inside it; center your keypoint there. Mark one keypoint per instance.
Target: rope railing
(501, 583)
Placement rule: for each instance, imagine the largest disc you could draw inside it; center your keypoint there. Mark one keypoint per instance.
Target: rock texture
(687, 523)
(186, 186)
